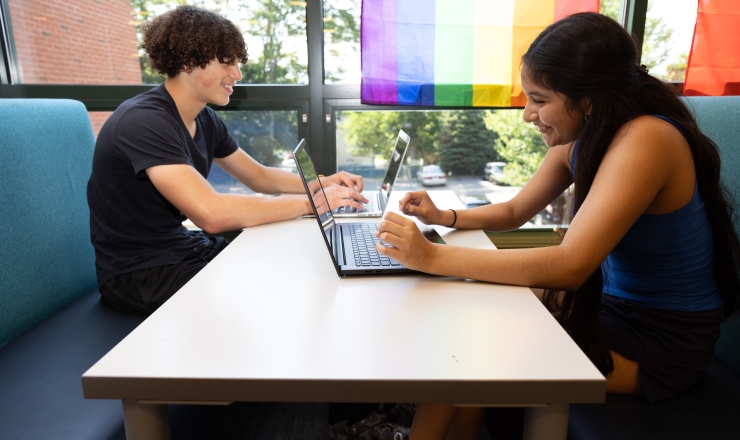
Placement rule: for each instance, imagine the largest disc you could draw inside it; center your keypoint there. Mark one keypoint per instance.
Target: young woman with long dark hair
(649, 266)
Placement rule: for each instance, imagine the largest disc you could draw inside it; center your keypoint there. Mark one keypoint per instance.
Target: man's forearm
(276, 181)
(236, 211)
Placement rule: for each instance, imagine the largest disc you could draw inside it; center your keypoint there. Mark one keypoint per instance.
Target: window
(459, 142)
(342, 41)
(669, 30)
(268, 136)
(90, 51)
(67, 42)
(62, 43)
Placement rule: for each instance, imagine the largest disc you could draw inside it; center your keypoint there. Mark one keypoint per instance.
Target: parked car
(494, 171)
(432, 175)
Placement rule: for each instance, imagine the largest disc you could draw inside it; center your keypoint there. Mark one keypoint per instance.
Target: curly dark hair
(189, 37)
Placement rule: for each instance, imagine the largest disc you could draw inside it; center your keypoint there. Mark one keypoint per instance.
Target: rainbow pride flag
(460, 53)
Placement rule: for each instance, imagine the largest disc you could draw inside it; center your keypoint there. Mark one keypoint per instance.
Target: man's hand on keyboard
(339, 195)
(344, 178)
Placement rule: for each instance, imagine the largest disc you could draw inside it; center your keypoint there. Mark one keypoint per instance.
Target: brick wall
(76, 42)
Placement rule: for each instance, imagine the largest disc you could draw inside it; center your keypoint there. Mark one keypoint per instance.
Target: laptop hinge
(339, 246)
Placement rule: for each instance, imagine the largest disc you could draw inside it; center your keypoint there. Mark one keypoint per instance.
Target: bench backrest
(47, 260)
(719, 118)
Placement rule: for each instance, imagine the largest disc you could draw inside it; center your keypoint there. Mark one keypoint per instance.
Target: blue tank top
(665, 261)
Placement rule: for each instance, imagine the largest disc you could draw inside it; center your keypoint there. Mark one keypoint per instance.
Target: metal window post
(315, 40)
(632, 16)
(9, 73)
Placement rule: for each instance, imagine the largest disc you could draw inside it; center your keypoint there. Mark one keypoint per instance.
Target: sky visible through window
(679, 15)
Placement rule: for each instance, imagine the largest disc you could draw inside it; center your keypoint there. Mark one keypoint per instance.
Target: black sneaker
(373, 427)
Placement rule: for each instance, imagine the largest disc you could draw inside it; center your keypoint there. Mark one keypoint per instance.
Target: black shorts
(672, 348)
(141, 292)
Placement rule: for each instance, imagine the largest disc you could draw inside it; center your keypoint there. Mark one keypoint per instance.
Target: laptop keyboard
(348, 209)
(370, 206)
(363, 241)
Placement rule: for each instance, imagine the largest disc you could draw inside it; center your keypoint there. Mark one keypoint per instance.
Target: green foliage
(374, 132)
(465, 144)
(518, 143)
(610, 8)
(341, 23)
(676, 72)
(656, 42)
(340, 26)
(267, 136)
(148, 75)
(274, 22)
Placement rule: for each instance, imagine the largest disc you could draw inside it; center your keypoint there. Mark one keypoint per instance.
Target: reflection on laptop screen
(318, 198)
(394, 165)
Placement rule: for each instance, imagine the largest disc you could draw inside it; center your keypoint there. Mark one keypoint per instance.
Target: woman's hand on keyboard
(410, 247)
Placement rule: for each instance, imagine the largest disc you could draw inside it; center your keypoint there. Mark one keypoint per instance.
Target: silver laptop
(350, 244)
(378, 200)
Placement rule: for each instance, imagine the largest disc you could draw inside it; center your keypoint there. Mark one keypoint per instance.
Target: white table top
(269, 320)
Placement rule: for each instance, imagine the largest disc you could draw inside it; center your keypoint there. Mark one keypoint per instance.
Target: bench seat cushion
(708, 410)
(41, 386)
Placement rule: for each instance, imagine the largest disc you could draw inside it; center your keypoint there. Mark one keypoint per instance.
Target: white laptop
(378, 200)
(351, 244)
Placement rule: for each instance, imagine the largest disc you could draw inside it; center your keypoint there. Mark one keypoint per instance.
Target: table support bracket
(546, 423)
(145, 421)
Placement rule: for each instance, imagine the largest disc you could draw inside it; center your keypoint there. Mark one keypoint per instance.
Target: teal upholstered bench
(53, 323)
(710, 409)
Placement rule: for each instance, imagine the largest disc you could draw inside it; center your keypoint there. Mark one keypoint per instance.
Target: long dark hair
(591, 56)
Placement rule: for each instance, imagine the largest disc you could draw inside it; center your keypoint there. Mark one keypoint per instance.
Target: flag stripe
(379, 59)
(457, 53)
(415, 29)
(454, 50)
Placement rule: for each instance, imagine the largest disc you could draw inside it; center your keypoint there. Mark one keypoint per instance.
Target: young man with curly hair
(153, 156)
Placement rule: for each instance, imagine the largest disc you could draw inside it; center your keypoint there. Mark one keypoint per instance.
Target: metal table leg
(546, 422)
(145, 421)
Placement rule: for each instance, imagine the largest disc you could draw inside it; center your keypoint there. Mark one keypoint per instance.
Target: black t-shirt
(132, 226)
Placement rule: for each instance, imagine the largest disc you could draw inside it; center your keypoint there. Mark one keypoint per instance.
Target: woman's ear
(586, 106)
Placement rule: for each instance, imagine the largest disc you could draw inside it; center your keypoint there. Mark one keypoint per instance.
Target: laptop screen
(394, 164)
(313, 186)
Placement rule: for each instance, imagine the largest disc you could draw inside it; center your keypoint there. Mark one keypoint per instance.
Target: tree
(610, 8)
(465, 143)
(518, 142)
(676, 72)
(656, 42)
(373, 132)
(274, 23)
(340, 26)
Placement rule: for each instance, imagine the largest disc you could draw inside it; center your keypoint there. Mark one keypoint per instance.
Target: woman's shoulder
(653, 126)
(661, 135)
(650, 146)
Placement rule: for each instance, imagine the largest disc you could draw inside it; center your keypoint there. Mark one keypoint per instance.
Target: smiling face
(215, 82)
(548, 111)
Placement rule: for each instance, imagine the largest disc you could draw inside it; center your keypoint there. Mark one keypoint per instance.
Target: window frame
(316, 101)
